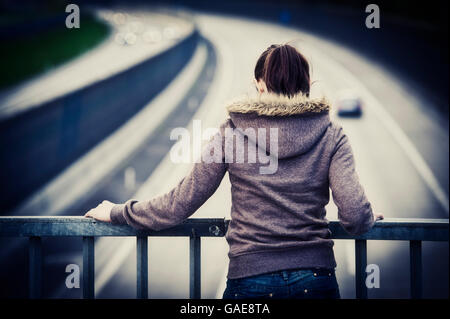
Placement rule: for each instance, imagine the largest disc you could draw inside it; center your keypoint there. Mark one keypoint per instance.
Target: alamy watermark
(73, 279)
(73, 19)
(236, 145)
(373, 276)
(373, 19)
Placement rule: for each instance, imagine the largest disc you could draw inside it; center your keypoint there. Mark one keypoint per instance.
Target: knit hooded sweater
(278, 217)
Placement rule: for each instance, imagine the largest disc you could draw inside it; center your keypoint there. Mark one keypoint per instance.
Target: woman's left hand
(102, 212)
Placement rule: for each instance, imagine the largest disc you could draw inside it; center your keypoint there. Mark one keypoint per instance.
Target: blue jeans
(314, 283)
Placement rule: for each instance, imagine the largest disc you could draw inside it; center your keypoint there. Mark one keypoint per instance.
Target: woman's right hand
(378, 216)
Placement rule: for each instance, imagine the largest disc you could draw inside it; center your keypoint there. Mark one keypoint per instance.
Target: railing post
(88, 268)
(35, 267)
(415, 261)
(142, 267)
(195, 266)
(361, 264)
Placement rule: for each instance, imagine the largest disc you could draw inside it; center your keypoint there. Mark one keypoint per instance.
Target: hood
(301, 121)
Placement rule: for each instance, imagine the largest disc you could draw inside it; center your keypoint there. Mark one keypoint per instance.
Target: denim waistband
(283, 260)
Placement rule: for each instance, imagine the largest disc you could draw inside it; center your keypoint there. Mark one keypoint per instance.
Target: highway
(401, 150)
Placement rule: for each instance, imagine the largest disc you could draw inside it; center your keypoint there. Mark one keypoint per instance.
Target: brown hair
(284, 70)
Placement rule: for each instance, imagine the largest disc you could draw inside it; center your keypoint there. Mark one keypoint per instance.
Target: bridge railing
(413, 230)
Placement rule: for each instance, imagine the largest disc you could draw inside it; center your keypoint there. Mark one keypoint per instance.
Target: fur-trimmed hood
(270, 104)
(301, 121)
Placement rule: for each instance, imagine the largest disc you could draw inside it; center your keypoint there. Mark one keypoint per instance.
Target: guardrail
(413, 230)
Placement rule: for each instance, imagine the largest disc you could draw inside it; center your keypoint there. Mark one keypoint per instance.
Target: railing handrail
(413, 230)
(50, 226)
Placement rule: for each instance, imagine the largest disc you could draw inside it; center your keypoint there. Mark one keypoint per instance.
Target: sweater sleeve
(354, 210)
(183, 200)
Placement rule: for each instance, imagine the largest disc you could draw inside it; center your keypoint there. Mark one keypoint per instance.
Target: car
(349, 106)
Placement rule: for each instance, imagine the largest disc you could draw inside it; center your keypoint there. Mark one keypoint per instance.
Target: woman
(280, 244)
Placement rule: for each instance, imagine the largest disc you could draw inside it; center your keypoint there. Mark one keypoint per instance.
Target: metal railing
(413, 230)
